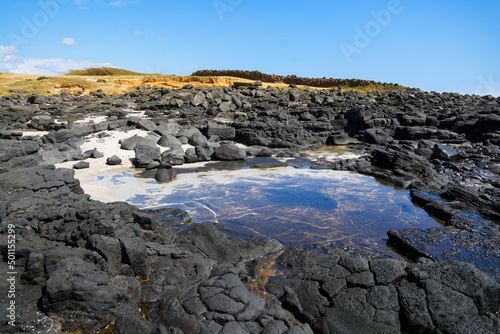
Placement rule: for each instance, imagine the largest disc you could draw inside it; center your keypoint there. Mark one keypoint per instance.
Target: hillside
(119, 81)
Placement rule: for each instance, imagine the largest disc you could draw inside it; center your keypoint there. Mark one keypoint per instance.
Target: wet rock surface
(348, 290)
(82, 265)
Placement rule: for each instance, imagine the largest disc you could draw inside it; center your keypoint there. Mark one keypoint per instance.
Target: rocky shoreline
(81, 265)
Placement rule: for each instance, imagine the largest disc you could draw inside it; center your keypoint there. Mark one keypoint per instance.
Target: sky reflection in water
(292, 205)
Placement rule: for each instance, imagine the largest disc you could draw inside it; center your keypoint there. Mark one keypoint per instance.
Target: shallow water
(292, 205)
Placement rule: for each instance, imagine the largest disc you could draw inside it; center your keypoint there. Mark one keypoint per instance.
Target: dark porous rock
(197, 139)
(174, 156)
(81, 165)
(82, 296)
(485, 201)
(147, 125)
(133, 324)
(204, 152)
(477, 244)
(134, 250)
(335, 291)
(225, 106)
(198, 99)
(187, 132)
(113, 160)
(222, 245)
(377, 136)
(248, 84)
(224, 132)
(163, 175)
(17, 148)
(153, 165)
(305, 300)
(94, 154)
(229, 151)
(190, 155)
(444, 152)
(222, 303)
(167, 129)
(388, 271)
(450, 297)
(341, 139)
(144, 154)
(41, 122)
(405, 161)
(170, 141)
(264, 153)
(130, 143)
(109, 248)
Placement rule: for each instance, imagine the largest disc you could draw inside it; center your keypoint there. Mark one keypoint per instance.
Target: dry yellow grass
(116, 84)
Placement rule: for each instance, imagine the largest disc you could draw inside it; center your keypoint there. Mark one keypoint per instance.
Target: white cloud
(81, 4)
(137, 33)
(121, 3)
(68, 41)
(7, 50)
(53, 66)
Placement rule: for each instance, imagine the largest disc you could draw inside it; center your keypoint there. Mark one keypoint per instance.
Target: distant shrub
(101, 71)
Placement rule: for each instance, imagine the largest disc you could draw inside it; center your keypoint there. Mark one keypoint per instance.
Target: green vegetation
(102, 71)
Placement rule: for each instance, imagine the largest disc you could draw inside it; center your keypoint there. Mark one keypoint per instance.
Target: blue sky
(433, 45)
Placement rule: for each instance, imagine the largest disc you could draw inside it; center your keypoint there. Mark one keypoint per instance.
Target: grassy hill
(102, 71)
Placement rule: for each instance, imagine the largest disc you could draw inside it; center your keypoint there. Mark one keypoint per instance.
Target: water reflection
(292, 205)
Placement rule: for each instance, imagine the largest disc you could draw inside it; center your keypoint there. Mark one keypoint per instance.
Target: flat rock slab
(222, 304)
(348, 290)
(479, 246)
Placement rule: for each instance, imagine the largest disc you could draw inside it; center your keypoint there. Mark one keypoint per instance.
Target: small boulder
(222, 131)
(229, 151)
(198, 99)
(113, 160)
(144, 154)
(130, 143)
(164, 174)
(204, 152)
(147, 124)
(169, 141)
(225, 106)
(377, 136)
(81, 165)
(444, 152)
(197, 139)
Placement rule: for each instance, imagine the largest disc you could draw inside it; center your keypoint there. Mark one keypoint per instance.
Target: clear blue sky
(434, 45)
